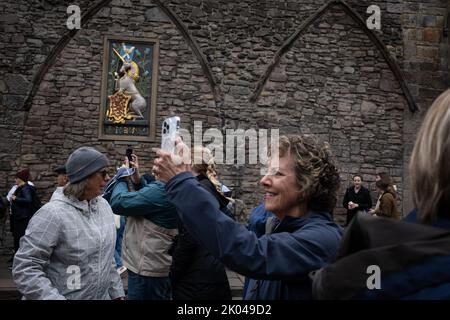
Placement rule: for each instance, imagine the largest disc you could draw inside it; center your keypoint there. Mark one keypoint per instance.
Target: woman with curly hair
(301, 191)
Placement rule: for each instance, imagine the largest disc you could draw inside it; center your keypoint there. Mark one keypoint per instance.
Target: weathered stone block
(35, 42)
(9, 18)
(155, 14)
(394, 7)
(360, 89)
(368, 108)
(322, 40)
(14, 102)
(429, 21)
(278, 77)
(432, 35)
(17, 84)
(3, 88)
(349, 70)
(119, 11)
(344, 107)
(123, 3)
(429, 53)
(86, 92)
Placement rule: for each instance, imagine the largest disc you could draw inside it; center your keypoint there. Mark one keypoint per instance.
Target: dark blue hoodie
(280, 261)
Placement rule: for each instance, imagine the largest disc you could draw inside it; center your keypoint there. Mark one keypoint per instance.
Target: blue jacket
(149, 201)
(257, 224)
(280, 261)
(413, 260)
(258, 219)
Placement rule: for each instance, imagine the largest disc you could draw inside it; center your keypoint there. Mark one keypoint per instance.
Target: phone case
(169, 133)
(128, 153)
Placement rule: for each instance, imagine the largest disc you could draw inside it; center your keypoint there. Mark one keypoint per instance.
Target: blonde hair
(203, 163)
(430, 162)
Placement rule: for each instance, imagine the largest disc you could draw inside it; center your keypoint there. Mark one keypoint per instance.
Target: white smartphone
(169, 133)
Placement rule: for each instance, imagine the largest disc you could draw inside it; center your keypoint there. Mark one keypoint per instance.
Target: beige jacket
(145, 246)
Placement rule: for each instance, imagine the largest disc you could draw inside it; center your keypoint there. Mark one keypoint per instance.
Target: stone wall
(333, 81)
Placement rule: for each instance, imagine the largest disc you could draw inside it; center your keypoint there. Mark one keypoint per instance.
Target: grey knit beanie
(83, 162)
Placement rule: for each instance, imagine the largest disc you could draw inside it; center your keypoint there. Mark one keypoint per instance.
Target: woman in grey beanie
(68, 249)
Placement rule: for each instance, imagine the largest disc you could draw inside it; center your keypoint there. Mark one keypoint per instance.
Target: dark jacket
(412, 258)
(281, 261)
(258, 220)
(362, 198)
(195, 273)
(3, 207)
(21, 208)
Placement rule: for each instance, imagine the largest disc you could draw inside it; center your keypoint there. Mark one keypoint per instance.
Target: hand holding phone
(169, 133)
(128, 153)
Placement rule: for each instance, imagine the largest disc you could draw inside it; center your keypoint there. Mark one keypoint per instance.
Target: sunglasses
(103, 173)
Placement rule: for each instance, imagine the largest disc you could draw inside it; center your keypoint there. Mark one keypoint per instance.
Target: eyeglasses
(103, 173)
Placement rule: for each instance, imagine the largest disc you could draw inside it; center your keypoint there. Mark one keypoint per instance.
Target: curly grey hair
(316, 170)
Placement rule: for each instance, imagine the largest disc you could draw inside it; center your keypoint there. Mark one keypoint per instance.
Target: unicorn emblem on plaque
(127, 102)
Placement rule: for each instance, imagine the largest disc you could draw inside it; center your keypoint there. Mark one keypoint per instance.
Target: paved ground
(8, 290)
(236, 283)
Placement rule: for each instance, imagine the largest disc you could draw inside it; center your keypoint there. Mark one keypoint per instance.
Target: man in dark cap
(68, 250)
(61, 180)
(62, 175)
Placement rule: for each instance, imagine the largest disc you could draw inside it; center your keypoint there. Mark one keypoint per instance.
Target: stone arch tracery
(393, 65)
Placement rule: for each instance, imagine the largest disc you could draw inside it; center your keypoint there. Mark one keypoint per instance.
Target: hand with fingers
(168, 165)
(135, 178)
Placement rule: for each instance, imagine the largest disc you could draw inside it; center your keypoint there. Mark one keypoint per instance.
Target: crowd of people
(179, 235)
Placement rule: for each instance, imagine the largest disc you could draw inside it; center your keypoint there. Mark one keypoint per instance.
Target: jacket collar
(86, 207)
(290, 224)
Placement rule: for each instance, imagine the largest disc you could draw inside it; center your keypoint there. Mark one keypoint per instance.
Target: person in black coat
(195, 274)
(21, 206)
(356, 198)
